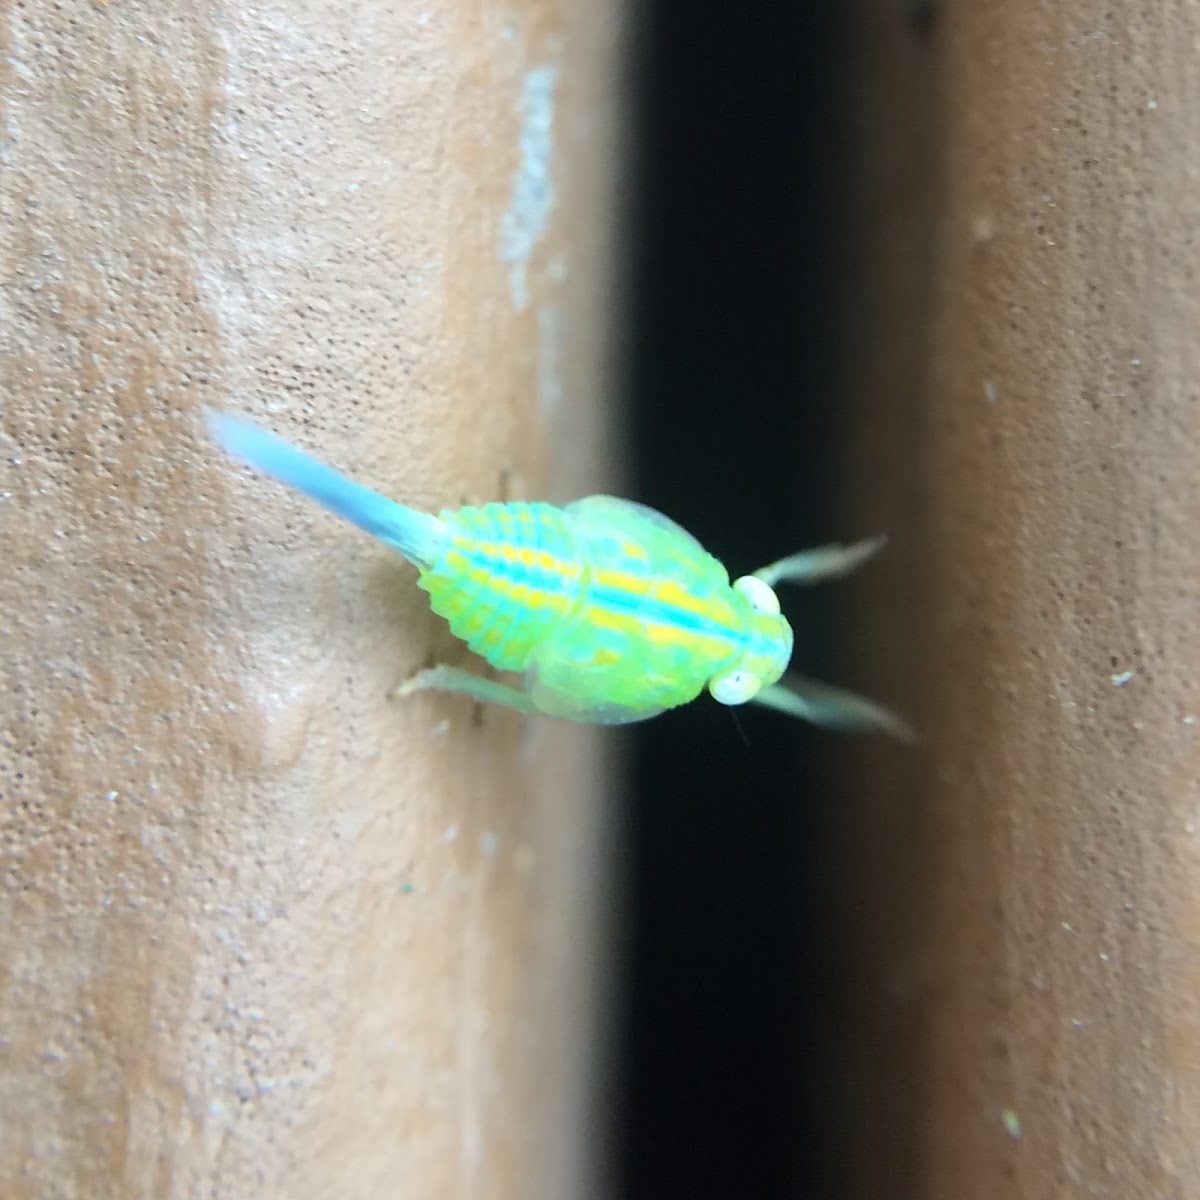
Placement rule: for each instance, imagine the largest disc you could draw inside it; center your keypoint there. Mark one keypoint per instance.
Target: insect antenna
(737, 724)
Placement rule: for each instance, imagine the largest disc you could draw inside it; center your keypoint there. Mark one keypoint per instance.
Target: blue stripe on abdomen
(646, 608)
(477, 608)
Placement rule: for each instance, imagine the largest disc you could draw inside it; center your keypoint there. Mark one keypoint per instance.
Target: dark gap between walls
(723, 1036)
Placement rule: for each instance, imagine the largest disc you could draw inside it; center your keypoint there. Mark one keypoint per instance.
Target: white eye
(762, 599)
(734, 687)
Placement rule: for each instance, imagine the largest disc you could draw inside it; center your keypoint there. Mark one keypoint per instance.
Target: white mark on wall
(522, 226)
(550, 331)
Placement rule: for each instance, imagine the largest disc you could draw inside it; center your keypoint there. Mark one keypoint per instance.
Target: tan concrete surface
(1030, 303)
(262, 932)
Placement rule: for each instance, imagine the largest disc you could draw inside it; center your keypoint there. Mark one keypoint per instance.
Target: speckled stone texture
(263, 932)
(1026, 941)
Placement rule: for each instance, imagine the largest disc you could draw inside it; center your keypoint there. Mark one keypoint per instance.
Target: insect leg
(454, 679)
(832, 708)
(825, 562)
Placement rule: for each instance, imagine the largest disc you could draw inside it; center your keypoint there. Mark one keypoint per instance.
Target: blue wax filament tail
(417, 535)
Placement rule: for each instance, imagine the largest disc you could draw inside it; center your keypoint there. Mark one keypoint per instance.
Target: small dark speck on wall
(923, 17)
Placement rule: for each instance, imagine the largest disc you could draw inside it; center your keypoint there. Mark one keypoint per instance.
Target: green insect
(610, 611)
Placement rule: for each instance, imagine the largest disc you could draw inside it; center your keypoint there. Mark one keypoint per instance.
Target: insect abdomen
(510, 573)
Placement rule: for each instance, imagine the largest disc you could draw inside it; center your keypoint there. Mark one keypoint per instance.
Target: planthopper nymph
(608, 610)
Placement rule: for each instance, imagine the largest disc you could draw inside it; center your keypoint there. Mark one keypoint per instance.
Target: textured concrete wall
(262, 932)
(1031, 277)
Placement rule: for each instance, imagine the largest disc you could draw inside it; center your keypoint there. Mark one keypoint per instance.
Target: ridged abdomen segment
(509, 575)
